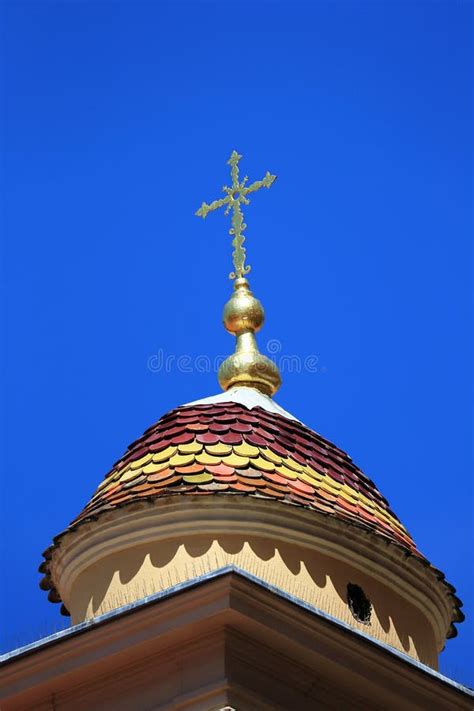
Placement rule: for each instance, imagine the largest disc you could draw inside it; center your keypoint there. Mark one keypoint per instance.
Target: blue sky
(118, 119)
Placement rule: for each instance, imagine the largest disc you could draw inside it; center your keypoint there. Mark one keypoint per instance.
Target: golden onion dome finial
(243, 313)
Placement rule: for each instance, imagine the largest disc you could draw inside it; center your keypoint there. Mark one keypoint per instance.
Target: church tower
(234, 557)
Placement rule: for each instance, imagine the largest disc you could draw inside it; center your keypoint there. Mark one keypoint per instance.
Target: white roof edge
(249, 397)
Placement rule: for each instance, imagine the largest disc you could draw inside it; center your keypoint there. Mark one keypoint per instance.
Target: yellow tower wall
(308, 575)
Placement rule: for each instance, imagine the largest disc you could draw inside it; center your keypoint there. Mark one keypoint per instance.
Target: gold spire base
(244, 316)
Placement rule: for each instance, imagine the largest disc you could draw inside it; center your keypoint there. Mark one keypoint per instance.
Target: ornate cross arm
(267, 182)
(235, 196)
(205, 209)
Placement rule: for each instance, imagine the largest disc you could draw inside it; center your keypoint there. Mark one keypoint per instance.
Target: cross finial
(236, 195)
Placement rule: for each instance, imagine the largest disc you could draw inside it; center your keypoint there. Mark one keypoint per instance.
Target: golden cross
(235, 195)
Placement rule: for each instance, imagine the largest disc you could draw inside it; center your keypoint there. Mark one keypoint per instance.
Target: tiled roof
(226, 448)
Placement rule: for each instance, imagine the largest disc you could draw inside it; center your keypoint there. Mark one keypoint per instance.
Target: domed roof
(241, 443)
(224, 448)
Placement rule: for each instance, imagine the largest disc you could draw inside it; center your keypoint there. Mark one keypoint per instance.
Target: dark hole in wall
(359, 603)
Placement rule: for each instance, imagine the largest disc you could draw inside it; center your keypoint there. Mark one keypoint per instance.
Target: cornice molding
(235, 618)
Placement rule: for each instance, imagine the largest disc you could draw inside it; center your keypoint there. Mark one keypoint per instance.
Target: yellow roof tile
(304, 476)
(264, 464)
(219, 448)
(165, 454)
(284, 471)
(131, 474)
(268, 454)
(181, 460)
(315, 475)
(203, 478)
(333, 487)
(233, 460)
(108, 480)
(292, 464)
(119, 472)
(246, 450)
(205, 458)
(139, 463)
(153, 467)
(190, 448)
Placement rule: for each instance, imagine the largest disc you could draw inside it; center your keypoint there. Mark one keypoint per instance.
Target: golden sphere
(250, 368)
(243, 312)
